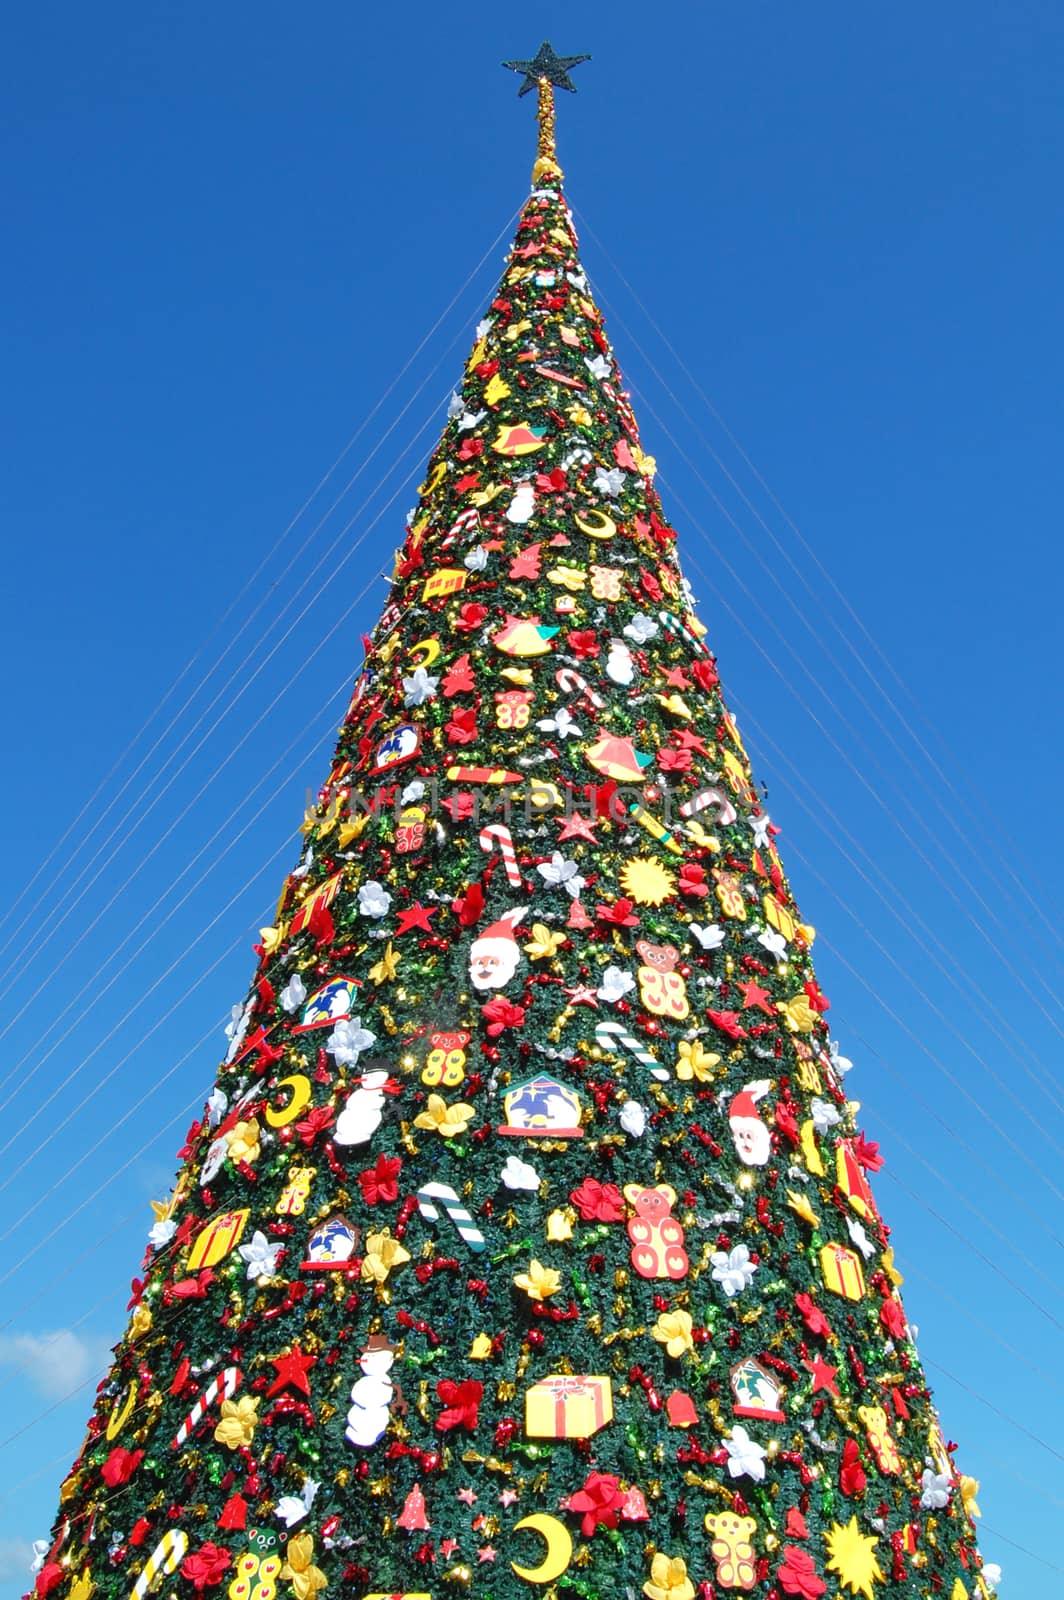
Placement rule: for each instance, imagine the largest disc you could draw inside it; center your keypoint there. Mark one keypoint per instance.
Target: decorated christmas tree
(526, 1242)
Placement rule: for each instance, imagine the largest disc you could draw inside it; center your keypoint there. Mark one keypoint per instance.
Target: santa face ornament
(751, 1137)
(494, 954)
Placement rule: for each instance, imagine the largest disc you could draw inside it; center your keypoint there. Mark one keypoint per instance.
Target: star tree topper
(546, 65)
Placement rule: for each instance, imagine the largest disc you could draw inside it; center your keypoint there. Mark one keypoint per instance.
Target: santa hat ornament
(753, 1142)
(493, 955)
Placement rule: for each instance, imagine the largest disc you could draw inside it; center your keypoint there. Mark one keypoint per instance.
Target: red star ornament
(416, 916)
(292, 1372)
(754, 995)
(823, 1375)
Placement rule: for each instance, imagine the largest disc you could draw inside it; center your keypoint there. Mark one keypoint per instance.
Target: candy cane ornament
(726, 812)
(679, 626)
(430, 1193)
(610, 1034)
(164, 1559)
(573, 684)
(497, 836)
(223, 1387)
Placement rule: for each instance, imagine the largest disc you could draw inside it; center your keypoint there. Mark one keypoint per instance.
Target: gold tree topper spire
(544, 72)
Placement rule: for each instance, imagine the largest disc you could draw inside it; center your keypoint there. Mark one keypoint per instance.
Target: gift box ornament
(215, 1240)
(562, 1407)
(841, 1271)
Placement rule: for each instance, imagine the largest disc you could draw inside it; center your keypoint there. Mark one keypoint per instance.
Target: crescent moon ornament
(603, 527)
(280, 1116)
(430, 647)
(559, 1553)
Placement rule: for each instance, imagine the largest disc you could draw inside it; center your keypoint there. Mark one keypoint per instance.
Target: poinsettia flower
(892, 1317)
(583, 642)
(798, 1574)
(120, 1466)
(599, 1501)
(852, 1476)
(314, 1123)
(461, 1402)
(867, 1153)
(728, 1022)
(812, 1315)
(615, 984)
(670, 760)
(381, 1181)
(206, 1566)
(711, 937)
(470, 617)
(419, 687)
(500, 1014)
(468, 906)
(459, 806)
(562, 874)
(705, 674)
(619, 914)
(693, 880)
(462, 728)
(816, 996)
(598, 1202)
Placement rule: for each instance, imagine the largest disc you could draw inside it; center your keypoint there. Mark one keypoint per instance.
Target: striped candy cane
(164, 1559)
(679, 626)
(427, 1196)
(610, 1034)
(220, 1388)
(710, 797)
(496, 835)
(573, 684)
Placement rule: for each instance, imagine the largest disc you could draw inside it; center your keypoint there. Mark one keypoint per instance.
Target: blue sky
(828, 242)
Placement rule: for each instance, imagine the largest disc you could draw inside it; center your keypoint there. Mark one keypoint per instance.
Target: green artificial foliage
(540, 954)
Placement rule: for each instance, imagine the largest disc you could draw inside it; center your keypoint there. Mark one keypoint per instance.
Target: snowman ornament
(372, 1394)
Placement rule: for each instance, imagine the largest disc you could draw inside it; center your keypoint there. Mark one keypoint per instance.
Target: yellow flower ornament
(668, 1579)
(238, 1422)
(539, 1282)
(447, 1121)
(674, 1329)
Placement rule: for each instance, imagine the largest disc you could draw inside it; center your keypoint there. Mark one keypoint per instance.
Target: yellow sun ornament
(382, 1254)
(674, 1329)
(539, 1282)
(447, 1121)
(647, 882)
(668, 1579)
(853, 1556)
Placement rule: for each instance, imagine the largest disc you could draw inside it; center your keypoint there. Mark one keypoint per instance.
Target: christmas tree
(526, 1242)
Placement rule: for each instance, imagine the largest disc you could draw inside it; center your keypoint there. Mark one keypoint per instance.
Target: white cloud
(16, 1561)
(54, 1362)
